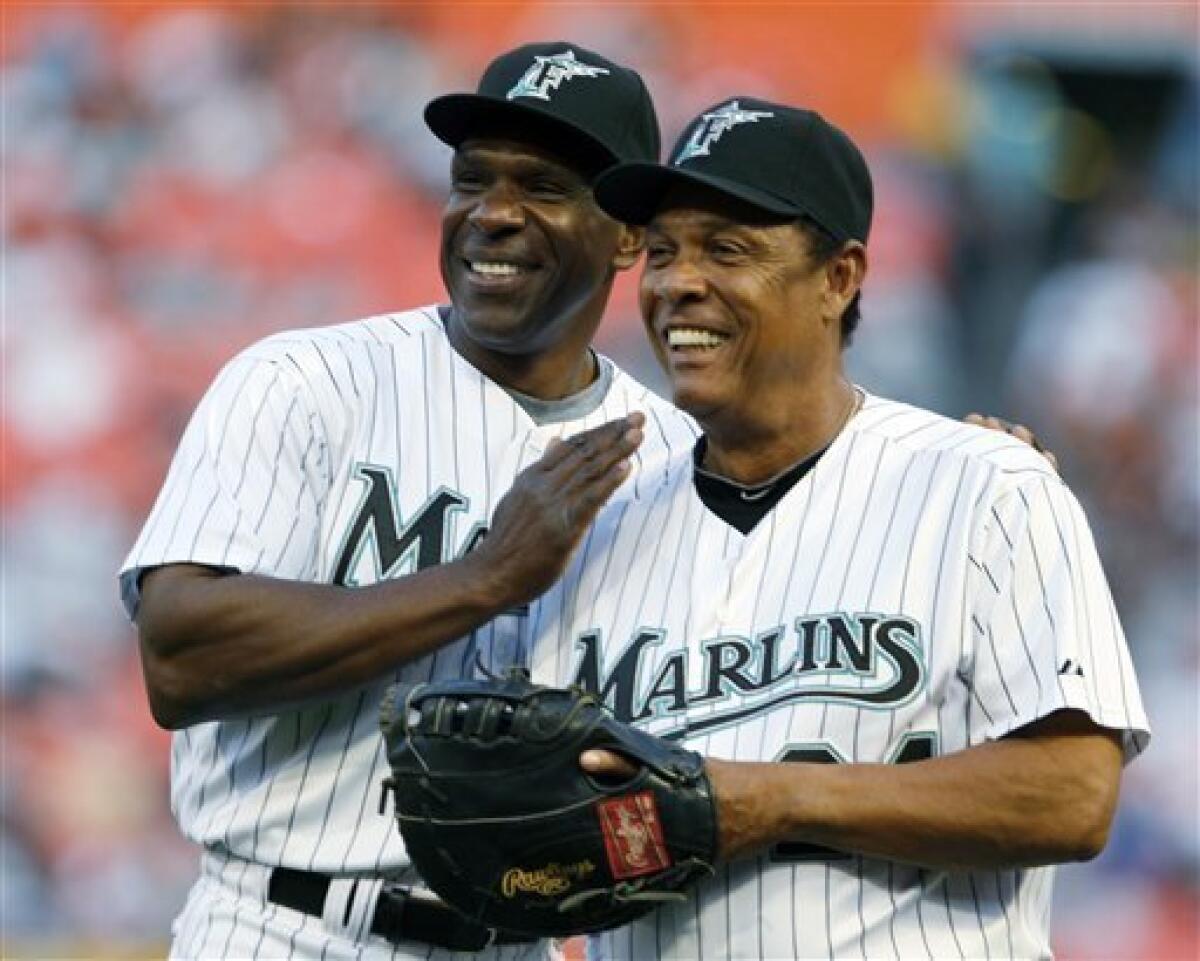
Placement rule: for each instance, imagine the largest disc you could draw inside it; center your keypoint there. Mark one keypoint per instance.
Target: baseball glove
(504, 825)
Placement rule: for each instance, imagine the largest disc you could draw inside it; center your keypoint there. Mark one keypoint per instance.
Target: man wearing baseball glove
(889, 633)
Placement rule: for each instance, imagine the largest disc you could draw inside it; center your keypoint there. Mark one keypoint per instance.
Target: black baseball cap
(782, 161)
(559, 95)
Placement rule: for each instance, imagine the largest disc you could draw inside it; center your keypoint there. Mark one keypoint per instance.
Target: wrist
(759, 804)
(741, 814)
(484, 584)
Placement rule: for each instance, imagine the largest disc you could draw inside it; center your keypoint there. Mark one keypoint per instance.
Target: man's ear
(631, 241)
(844, 275)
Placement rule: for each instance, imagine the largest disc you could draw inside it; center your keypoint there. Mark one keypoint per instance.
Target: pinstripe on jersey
(378, 422)
(928, 586)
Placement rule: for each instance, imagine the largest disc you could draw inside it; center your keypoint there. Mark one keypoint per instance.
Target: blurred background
(180, 180)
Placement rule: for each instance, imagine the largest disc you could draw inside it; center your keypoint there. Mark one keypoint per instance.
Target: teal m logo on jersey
(398, 547)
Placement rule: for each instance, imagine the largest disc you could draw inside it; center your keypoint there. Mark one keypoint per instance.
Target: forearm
(218, 646)
(1015, 802)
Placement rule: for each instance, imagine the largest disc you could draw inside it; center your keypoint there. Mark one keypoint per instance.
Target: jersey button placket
(718, 552)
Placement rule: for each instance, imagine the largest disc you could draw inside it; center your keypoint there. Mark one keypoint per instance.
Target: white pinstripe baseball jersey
(928, 586)
(347, 455)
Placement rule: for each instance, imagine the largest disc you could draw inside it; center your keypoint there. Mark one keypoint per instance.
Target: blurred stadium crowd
(181, 182)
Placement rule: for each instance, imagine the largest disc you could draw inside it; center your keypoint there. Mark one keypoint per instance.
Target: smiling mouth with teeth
(493, 269)
(692, 338)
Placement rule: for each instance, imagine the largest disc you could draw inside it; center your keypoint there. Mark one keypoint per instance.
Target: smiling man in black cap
(889, 631)
(320, 533)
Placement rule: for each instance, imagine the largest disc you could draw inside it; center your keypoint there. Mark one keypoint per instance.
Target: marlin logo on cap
(715, 125)
(548, 73)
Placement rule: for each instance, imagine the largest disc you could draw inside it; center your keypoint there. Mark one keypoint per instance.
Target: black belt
(398, 916)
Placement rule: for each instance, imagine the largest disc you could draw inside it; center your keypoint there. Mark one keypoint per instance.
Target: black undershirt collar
(742, 506)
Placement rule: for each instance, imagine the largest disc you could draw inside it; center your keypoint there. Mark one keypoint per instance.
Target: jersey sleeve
(245, 488)
(1045, 631)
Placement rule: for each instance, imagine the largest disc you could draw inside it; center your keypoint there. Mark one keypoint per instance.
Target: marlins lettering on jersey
(766, 670)
(915, 594)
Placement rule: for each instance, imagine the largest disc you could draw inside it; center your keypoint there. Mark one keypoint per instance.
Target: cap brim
(634, 193)
(457, 117)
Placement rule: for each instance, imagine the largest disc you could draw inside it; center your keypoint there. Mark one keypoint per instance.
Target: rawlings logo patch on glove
(504, 825)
